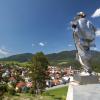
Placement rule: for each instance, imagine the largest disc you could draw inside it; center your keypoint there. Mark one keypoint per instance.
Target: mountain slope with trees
(52, 57)
(64, 58)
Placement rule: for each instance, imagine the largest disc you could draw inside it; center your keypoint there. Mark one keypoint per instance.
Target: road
(55, 87)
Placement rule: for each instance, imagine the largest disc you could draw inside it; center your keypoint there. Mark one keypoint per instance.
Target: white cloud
(98, 32)
(70, 45)
(41, 44)
(96, 13)
(95, 48)
(4, 52)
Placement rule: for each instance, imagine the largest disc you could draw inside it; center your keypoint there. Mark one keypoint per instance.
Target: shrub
(3, 89)
(11, 89)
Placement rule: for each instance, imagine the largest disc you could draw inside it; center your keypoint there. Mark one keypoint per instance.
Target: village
(17, 78)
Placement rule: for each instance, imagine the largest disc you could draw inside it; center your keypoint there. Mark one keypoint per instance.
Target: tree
(38, 72)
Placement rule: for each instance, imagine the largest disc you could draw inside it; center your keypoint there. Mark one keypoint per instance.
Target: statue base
(83, 92)
(86, 79)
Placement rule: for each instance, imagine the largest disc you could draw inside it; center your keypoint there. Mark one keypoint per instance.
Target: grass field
(54, 94)
(57, 94)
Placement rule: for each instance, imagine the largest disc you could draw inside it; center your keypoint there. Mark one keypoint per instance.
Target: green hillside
(64, 58)
(61, 58)
(19, 57)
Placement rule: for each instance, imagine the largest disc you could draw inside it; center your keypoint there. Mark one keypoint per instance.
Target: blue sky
(42, 25)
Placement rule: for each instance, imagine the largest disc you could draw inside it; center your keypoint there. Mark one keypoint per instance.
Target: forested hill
(19, 57)
(61, 58)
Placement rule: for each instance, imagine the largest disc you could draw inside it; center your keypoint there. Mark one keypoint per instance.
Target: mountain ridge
(53, 57)
(61, 59)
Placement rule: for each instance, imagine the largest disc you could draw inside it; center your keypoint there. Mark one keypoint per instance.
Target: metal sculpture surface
(84, 38)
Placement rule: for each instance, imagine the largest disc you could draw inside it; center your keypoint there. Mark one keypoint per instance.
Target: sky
(30, 26)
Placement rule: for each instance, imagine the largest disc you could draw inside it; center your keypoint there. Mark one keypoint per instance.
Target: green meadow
(54, 94)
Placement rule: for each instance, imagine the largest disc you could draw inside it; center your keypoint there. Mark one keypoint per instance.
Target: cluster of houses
(15, 76)
(59, 76)
(18, 77)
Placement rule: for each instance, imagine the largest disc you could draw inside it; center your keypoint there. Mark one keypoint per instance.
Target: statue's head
(81, 14)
